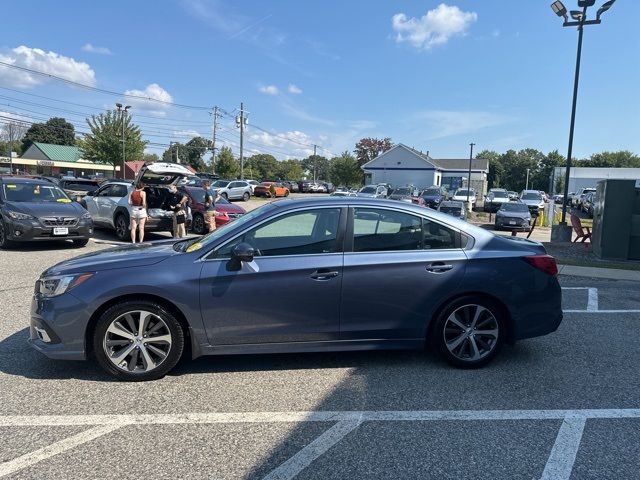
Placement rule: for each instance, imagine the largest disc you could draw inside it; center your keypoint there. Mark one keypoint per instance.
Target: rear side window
(387, 230)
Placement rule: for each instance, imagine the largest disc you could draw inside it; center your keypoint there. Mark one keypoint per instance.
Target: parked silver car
(234, 190)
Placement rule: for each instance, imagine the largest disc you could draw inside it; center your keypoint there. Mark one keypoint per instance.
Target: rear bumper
(32, 231)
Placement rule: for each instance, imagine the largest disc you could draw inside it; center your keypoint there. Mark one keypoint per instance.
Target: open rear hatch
(162, 173)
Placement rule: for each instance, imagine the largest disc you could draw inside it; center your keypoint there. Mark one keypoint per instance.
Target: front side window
(299, 233)
(387, 230)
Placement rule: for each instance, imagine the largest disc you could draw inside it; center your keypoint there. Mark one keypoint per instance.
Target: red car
(229, 210)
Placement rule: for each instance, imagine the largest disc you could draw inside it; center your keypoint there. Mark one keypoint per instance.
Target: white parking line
(301, 460)
(592, 302)
(592, 299)
(347, 421)
(564, 451)
(68, 443)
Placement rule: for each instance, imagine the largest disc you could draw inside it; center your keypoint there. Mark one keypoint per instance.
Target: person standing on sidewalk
(138, 202)
(210, 212)
(177, 201)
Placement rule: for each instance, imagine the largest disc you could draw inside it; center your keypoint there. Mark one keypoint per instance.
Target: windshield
(431, 191)
(451, 210)
(460, 193)
(402, 191)
(34, 193)
(368, 190)
(210, 238)
(499, 194)
(514, 207)
(84, 186)
(532, 196)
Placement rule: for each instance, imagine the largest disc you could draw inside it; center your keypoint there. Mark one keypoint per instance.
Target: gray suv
(32, 210)
(234, 189)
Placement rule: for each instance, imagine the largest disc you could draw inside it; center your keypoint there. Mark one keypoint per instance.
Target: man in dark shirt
(210, 199)
(176, 202)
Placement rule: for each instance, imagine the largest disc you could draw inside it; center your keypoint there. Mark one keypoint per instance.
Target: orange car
(270, 189)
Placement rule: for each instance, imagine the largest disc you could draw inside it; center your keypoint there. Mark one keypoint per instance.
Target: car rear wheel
(138, 341)
(469, 332)
(246, 196)
(198, 224)
(286, 193)
(122, 227)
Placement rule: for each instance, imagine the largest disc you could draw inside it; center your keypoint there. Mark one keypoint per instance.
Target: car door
(232, 190)
(108, 202)
(92, 202)
(398, 266)
(291, 290)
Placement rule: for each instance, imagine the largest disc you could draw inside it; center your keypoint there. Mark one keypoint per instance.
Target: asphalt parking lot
(557, 407)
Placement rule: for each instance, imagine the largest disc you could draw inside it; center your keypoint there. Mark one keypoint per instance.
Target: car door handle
(324, 275)
(438, 267)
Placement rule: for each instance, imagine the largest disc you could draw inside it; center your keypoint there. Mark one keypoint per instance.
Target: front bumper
(32, 230)
(58, 325)
(520, 224)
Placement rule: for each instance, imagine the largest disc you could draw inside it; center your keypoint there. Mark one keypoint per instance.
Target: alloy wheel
(137, 341)
(471, 332)
(121, 227)
(198, 224)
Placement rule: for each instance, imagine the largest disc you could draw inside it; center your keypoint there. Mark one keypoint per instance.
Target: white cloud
(47, 62)
(436, 27)
(296, 142)
(447, 123)
(270, 90)
(152, 92)
(294, 89)
(188, 133)
(87, 47)
(496, 33)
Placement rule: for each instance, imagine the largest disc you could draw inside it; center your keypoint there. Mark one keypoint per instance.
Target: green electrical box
(616, 220)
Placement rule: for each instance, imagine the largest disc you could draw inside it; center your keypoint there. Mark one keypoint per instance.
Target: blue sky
(431, 75)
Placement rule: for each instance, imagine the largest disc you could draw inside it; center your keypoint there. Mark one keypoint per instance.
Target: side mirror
(243, 252)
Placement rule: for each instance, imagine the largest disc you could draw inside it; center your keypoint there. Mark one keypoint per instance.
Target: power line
(102, 90)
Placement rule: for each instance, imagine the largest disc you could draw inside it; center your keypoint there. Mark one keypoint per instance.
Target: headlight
(57, 285)
(20, 216)
(86, 215)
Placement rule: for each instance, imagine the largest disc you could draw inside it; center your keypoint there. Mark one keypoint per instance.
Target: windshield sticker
(63, 200)
(196, 246)
(11, 186)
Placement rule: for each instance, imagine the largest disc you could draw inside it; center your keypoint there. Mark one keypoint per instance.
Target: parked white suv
(461, 196)
(234, 189)
(109, 205)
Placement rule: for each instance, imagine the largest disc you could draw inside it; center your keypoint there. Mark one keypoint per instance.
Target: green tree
(289, 170)
(226, 165)
(104, 145)
(317, 164)
(150, 157)
(542, 176)
(194, 151)
(174, 153)
(55, 130)
(344, 170)
(369, 148)
(263, 165)
(620, 159)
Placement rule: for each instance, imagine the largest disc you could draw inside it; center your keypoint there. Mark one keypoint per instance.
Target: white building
(583, 177)
(402, 165)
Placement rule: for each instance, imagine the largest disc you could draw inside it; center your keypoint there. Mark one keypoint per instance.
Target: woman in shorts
(138, 202)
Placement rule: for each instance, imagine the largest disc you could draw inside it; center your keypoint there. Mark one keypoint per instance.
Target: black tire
(198, 224)
(224, 195)
(439, 335)
(175, 350)
(81, 242)
(246, 196)
(122, 227)
(4, 242)
(286, 194)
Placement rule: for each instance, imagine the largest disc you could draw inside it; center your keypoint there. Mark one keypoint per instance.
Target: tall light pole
(123, 112)
(526, 183)
(563, 231)
(241, 122)
(469, 177)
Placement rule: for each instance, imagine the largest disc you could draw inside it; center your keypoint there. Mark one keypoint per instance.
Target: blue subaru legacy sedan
(337, 273)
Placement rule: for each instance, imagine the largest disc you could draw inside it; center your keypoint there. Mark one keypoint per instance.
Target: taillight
(546, 263)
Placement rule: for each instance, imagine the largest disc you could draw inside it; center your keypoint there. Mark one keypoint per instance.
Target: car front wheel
(469, 332)
(198, 224)
(4, 242)
(138, 341)
(225, 196)
(246, 196)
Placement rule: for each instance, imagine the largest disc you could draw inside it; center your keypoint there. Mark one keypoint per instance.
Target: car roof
(34, 181)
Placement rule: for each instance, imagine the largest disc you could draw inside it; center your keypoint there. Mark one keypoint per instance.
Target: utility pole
(213, 143)
(526, 184)
(10, 147)
(314, 163)
(241, 121)
(123, 112)
(469, 177)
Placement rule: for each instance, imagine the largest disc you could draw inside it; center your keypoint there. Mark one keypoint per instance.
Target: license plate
(512, 222)
(60, 231)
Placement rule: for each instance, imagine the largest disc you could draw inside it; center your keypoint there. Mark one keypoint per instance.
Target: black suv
(33, 210)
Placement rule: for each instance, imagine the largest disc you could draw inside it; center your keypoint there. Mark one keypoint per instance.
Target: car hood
(129, 256)
(44, 209)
